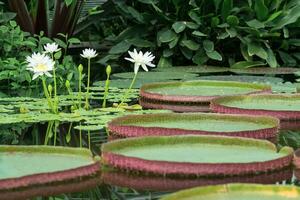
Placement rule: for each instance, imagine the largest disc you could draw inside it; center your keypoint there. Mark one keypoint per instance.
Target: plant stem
(79, 89)
(47, 94)
(88, 86)
(54, 77)
(80, 136)
(105, 92)
(128, 90)
(89, 139)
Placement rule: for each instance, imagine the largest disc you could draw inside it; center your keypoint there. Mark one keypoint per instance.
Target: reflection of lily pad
(201, 124)
(265, 70)
(195, 69)
(155, 75)
(249, 79)
(281, 106)
(161, 183)
(238, 192)
(195, 155)
(78, 185)
(26, 166)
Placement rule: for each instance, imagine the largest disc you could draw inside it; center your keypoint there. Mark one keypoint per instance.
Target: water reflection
(152, 183)
(52, 189)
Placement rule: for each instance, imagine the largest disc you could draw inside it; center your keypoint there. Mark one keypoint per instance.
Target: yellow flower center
(41, 67)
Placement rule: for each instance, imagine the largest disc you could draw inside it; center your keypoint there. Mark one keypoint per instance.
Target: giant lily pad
(195, 69)
(201, 124)
(265, 70)
(238, 192)
(155, 75)
(30, 166)
(195, 155)
(248, 79)
(161, 183)
(193, 95)
(284, 107)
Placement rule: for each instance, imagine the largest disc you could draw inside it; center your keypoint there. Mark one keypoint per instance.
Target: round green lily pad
(27, 166)
(238, 192)
(194, 69)
(265, 70)
(201, 124)
(155, 75)
(249, 79)
(195, 155)
(165, 95)
(285, 107)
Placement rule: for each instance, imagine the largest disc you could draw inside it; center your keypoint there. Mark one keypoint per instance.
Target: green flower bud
(108, 69)
(67, 84)
(80, 68)
(50, 88)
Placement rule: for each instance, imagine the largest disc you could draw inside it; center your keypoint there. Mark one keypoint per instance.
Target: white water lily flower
(51, 48)
(39, 64)
(140, 59)
(89, 53)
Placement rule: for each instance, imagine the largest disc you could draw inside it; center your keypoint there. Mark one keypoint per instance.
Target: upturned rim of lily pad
(38, 179)
(124, 126)
(282, 191)
(217, 105)
(112, 158)
(152, 96)
(161, 183)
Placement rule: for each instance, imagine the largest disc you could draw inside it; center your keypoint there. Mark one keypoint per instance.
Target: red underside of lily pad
(166, 168)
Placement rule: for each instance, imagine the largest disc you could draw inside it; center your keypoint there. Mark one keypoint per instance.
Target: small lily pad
(238, 192)
(195, 155)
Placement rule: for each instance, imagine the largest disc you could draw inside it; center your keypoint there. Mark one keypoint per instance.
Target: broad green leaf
(256, 49)
(74, 41)
(200, 57)
(231, 31)
(198, 33)
(208, 45)
(292, 16)
(174, 42)
(271, 59)
(274, 16)
(261, 10)
(136, 15)
(167, 53)
(192, 25)
(190, 44)
(195, 16)
(226, 8)
(164, 62)
(294, 42)
(179, 26)
(247, 64)
(188, 54)
(68, 2)
(140, 42)
(287, 59)
(214, 55)
(120, 48)
(245, 53)
(255, 24)
(167, 36)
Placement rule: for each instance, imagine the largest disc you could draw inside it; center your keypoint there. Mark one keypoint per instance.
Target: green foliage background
(220, 32)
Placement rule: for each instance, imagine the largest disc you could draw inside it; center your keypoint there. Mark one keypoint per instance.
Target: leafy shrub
(236, 33)
(15, 45)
